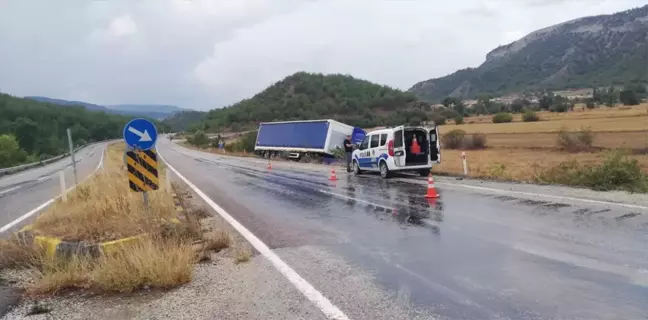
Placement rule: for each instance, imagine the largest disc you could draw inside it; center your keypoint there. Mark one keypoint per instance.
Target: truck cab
(399, 149)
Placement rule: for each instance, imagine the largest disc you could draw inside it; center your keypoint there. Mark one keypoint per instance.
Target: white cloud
(207, 53)
(122, 26)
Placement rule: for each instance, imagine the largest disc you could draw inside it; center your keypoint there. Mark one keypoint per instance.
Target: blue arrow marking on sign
(140, 134)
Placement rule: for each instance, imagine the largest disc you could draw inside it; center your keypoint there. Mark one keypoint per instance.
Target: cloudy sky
(204, 54)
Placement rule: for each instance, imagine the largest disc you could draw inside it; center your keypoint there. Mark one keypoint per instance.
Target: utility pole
(69, 134)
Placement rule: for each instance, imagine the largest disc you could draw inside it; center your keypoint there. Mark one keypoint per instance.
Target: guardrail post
(69, 134)
(465, 163)
(62, 183)
(167, 180)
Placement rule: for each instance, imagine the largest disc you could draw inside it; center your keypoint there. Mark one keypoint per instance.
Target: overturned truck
(308, 140)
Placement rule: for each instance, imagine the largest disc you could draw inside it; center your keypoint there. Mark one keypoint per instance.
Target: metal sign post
(141, 161)
(69, 135)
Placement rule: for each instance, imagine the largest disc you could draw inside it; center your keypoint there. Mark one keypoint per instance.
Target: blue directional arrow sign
(140, 134)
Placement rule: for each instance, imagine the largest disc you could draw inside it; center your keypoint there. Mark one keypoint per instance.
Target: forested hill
(184, 120)
(30, 129)
(317, 96)
(593, 51)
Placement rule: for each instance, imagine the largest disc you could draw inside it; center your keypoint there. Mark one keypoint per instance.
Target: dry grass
(14, 254)
(600, 120)
(104, 208)
(517, 164)
(606, 140)
(637, 123)
(523, 151)
(242, 255)
(153, 263)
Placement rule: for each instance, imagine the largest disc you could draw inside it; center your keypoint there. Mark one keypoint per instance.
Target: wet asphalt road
(466, 256)
(24, 191)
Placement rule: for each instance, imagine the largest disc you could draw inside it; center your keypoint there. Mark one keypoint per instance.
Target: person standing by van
(348, 150)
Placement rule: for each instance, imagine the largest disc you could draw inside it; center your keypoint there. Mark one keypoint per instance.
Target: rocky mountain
(586, 52)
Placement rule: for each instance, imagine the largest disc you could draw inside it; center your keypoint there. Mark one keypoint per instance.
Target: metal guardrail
(23, 167)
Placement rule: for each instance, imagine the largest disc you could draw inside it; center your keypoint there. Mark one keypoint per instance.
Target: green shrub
(198, 139)
(502, 117)
(459, 120)
(530, 116)
(617, 172)
(590, 104)
(246, 143)
(438, 119)
(560, 107)
(578, 141)
(453, 139)
(475, 141)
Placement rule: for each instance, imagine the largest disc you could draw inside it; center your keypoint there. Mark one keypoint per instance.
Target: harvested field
(606, 140)
(517, 164)
(523, 150)
(610, 124)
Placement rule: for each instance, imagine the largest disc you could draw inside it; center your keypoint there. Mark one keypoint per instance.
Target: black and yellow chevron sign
(142, 170)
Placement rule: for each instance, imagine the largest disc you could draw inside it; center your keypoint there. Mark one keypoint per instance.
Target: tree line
(31, 130)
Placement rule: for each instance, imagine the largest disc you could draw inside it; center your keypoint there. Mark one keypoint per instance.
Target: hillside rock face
(586, 52)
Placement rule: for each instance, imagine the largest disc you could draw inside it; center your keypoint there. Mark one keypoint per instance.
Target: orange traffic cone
(333, 176)
(431, 190)
(269, 166)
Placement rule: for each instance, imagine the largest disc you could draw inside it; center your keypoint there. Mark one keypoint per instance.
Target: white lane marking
(323, 303)
(48, 202)
(530, 194)
(354, 199)
(8, 190)
(41, 179)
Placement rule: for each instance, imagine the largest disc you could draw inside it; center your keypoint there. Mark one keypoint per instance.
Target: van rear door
(435, 146)
(399, 146)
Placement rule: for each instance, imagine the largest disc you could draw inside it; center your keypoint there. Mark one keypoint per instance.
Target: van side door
(363, 154)
(435, 146)
(399, 146)
(374, 142)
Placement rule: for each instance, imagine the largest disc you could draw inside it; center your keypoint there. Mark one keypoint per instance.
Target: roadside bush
(560, 107)
(617, 172)
(502, 117)
(530, 116)
(459, 120)
(245, 143)
(590, 104)
(475, 141)
(449, 113)
(578, 141)
(198, 139)
(438, 119)
(453, 139)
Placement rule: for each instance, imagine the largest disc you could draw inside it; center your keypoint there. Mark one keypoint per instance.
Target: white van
(395, 150)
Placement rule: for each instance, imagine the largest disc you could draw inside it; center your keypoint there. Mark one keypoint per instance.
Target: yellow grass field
(521, 150)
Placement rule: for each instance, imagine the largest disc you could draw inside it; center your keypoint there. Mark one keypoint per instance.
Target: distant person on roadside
(348, 150)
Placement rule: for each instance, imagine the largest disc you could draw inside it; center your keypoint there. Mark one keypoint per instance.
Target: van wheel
(424, 173)
(356, 168)
(384, 171)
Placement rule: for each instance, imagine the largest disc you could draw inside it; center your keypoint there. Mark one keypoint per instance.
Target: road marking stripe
(323, 303)
(632, 206)
(48, 202)
(8, 190)
(41, 179)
